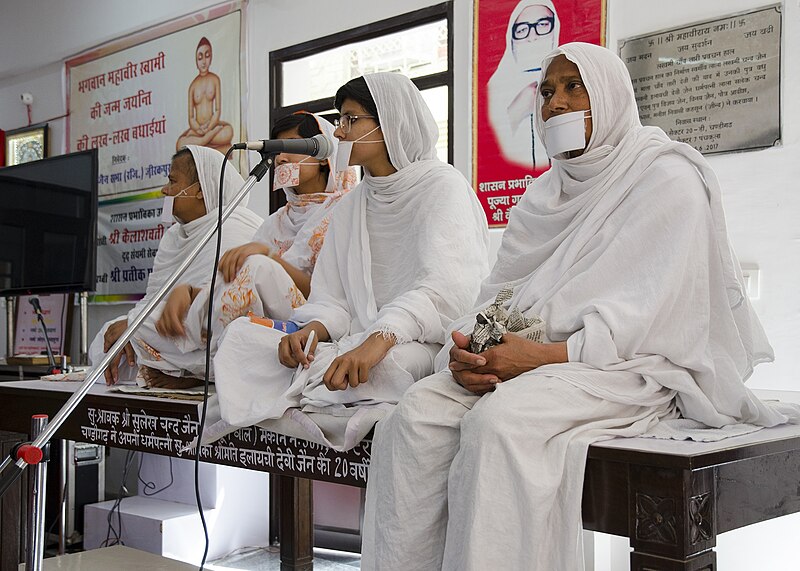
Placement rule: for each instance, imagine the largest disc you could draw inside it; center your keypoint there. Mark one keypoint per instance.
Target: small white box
(172, 529)
(164, 528)
(161, 470)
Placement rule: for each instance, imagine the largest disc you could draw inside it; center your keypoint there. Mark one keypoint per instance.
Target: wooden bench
(670, 498)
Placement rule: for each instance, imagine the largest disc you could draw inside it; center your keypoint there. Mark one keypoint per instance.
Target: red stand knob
(30, 454)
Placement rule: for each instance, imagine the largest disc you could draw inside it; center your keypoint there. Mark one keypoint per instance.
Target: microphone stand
(53, 368)
(34, 452)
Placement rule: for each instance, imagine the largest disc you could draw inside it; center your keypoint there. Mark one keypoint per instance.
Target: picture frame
(26, 144)
(506, 73)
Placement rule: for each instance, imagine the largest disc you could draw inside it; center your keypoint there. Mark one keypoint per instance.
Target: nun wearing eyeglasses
(621, 250)
(532, 32)
(404, 256)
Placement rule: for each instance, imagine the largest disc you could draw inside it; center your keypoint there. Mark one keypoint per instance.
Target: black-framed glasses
(345, 121)
(540, 27)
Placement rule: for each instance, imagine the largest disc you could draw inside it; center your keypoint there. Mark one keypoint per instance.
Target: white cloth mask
(166, 211)
(169, 203)
(566, 132)
(287, 175)
(346, 148)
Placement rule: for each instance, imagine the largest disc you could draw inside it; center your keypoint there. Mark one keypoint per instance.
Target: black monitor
(48, 225)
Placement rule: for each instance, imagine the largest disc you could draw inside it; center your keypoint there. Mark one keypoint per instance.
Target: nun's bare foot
(160, 380)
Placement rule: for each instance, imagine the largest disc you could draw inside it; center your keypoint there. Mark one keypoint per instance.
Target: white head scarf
(624, 251)
(179, 239)
(397, 241)
(408, 126)
(514, 73)
(297, 230)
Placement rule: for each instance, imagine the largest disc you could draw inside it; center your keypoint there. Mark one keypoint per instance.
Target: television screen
(48, 224)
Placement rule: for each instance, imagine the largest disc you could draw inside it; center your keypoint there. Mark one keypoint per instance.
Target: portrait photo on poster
(532, 33)
(512, 38)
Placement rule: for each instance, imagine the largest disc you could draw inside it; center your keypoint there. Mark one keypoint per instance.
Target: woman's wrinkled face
(189, 204)
(563, 91)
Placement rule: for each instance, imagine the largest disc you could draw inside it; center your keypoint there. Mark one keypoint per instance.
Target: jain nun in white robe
(404, 256)
(176, 244)
(262, 287)
(623, 251)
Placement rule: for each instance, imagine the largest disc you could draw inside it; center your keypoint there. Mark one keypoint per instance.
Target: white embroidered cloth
(297, 230)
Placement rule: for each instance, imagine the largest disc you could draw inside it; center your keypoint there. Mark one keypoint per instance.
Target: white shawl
(517, 142)
(624, 252)
(179, 239)
(297, 230)
(404, 253)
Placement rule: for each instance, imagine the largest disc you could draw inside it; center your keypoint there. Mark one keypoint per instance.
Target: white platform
(118, 558)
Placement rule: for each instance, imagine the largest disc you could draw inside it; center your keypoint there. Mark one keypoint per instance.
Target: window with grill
(418, 44)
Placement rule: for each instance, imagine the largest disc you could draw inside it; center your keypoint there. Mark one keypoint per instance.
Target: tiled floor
(269, 559)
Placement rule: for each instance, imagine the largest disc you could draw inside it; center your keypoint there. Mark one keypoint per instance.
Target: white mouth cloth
(565, 132)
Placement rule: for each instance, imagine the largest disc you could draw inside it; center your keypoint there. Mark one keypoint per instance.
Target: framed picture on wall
(510, 39)
(26, 144)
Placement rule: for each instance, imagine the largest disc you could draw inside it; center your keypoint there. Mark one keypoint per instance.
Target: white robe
(176, 244)
(624, 253)
(404, 256)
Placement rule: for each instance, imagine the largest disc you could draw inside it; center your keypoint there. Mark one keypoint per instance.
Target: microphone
(34, 301)
(318, 146)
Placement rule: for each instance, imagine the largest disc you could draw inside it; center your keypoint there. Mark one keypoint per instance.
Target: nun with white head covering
(404, 256)
(532, 32)
(296, 231)
(621, 250)
(191, 200)
(268, 277)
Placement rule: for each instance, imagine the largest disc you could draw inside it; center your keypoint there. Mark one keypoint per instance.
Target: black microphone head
(34, 301)
(324, 147)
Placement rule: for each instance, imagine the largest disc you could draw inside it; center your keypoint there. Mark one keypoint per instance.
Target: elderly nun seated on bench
(625, 309)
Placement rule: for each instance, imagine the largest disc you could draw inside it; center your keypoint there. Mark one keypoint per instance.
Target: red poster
(511, 38)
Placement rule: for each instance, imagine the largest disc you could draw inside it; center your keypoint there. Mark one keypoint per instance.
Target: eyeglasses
(345, 121)
(540, 27)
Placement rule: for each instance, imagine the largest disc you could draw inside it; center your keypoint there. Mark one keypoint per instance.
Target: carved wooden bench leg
(671, 519)
(297, 523)
(706, 561)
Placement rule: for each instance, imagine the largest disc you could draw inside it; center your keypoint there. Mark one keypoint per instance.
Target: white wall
(761, 199)
(760, 189)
